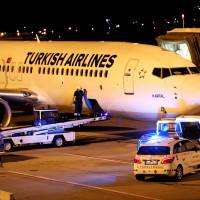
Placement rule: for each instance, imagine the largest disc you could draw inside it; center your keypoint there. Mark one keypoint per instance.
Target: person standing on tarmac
(78, 101)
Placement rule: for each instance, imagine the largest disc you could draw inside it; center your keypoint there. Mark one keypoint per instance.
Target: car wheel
(140, 177)
(179, 173)
(58, 141)
(8, 146)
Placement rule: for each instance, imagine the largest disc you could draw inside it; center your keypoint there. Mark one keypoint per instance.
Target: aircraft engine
(5, 113)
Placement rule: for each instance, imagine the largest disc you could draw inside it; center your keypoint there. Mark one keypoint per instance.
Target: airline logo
(65, 59)
(9, 59)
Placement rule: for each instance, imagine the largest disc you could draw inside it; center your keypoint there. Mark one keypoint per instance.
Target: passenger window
(12, 69)
(27, 69)
(72, 72)
(23, 70)
(100, 73)
(81, 72)
(106, 74)
(57, 71)
(67, 72)
(8, 68)
(62, 71)
(91, 72)
(157, 72)
(76, 72)
(86, 72)
(95, 73)
(183, 148)
(4, 67)
(39, 70)
(189, 146)
(31, 70)
(19, 69)
(44, 69)
(177, 148)
(48, 70)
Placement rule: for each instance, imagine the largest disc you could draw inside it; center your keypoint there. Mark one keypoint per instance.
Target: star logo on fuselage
(142, 73)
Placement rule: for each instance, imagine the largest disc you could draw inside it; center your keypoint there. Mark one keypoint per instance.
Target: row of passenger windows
(57, 71)
(4, 68)
(73, 72)
(165, 72)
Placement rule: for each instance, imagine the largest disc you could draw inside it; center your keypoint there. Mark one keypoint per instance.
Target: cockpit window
(157, 72)
(194, 70)
(179, 71)
(161, 72)
(166, 72)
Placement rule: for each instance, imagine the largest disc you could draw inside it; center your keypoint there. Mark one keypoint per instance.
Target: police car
(171, 156)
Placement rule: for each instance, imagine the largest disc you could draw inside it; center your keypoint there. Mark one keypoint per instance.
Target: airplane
(131, 80)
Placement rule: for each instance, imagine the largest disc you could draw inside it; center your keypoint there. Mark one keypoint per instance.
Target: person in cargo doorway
(78, 101)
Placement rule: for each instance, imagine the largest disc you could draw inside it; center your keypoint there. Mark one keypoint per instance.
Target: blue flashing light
(150, 138)
(107, 115)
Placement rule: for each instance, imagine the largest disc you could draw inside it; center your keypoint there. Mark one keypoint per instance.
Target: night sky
(57, 10)
(58, 15)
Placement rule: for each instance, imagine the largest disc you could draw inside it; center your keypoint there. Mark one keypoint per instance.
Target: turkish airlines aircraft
(127, 79)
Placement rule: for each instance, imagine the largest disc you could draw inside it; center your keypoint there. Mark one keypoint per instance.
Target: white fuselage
(117, 74)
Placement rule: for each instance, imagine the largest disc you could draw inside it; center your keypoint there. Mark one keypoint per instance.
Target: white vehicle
(113, 73)
(24, 138)
(186, 126)
(173, 157)
(55, 133)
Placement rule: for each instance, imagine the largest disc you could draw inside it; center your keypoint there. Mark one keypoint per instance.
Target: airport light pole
(183, 18)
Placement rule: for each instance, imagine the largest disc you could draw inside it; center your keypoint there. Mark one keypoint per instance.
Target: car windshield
(154, 150)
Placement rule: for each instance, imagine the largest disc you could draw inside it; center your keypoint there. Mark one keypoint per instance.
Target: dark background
(137, 21)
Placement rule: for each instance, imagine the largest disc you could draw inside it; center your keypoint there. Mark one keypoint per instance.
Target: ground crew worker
(78, 101)
(163, 112)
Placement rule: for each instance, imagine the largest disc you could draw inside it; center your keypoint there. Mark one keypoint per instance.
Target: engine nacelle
(5, 113)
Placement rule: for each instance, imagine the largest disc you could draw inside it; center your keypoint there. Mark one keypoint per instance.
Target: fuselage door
(129, 76)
